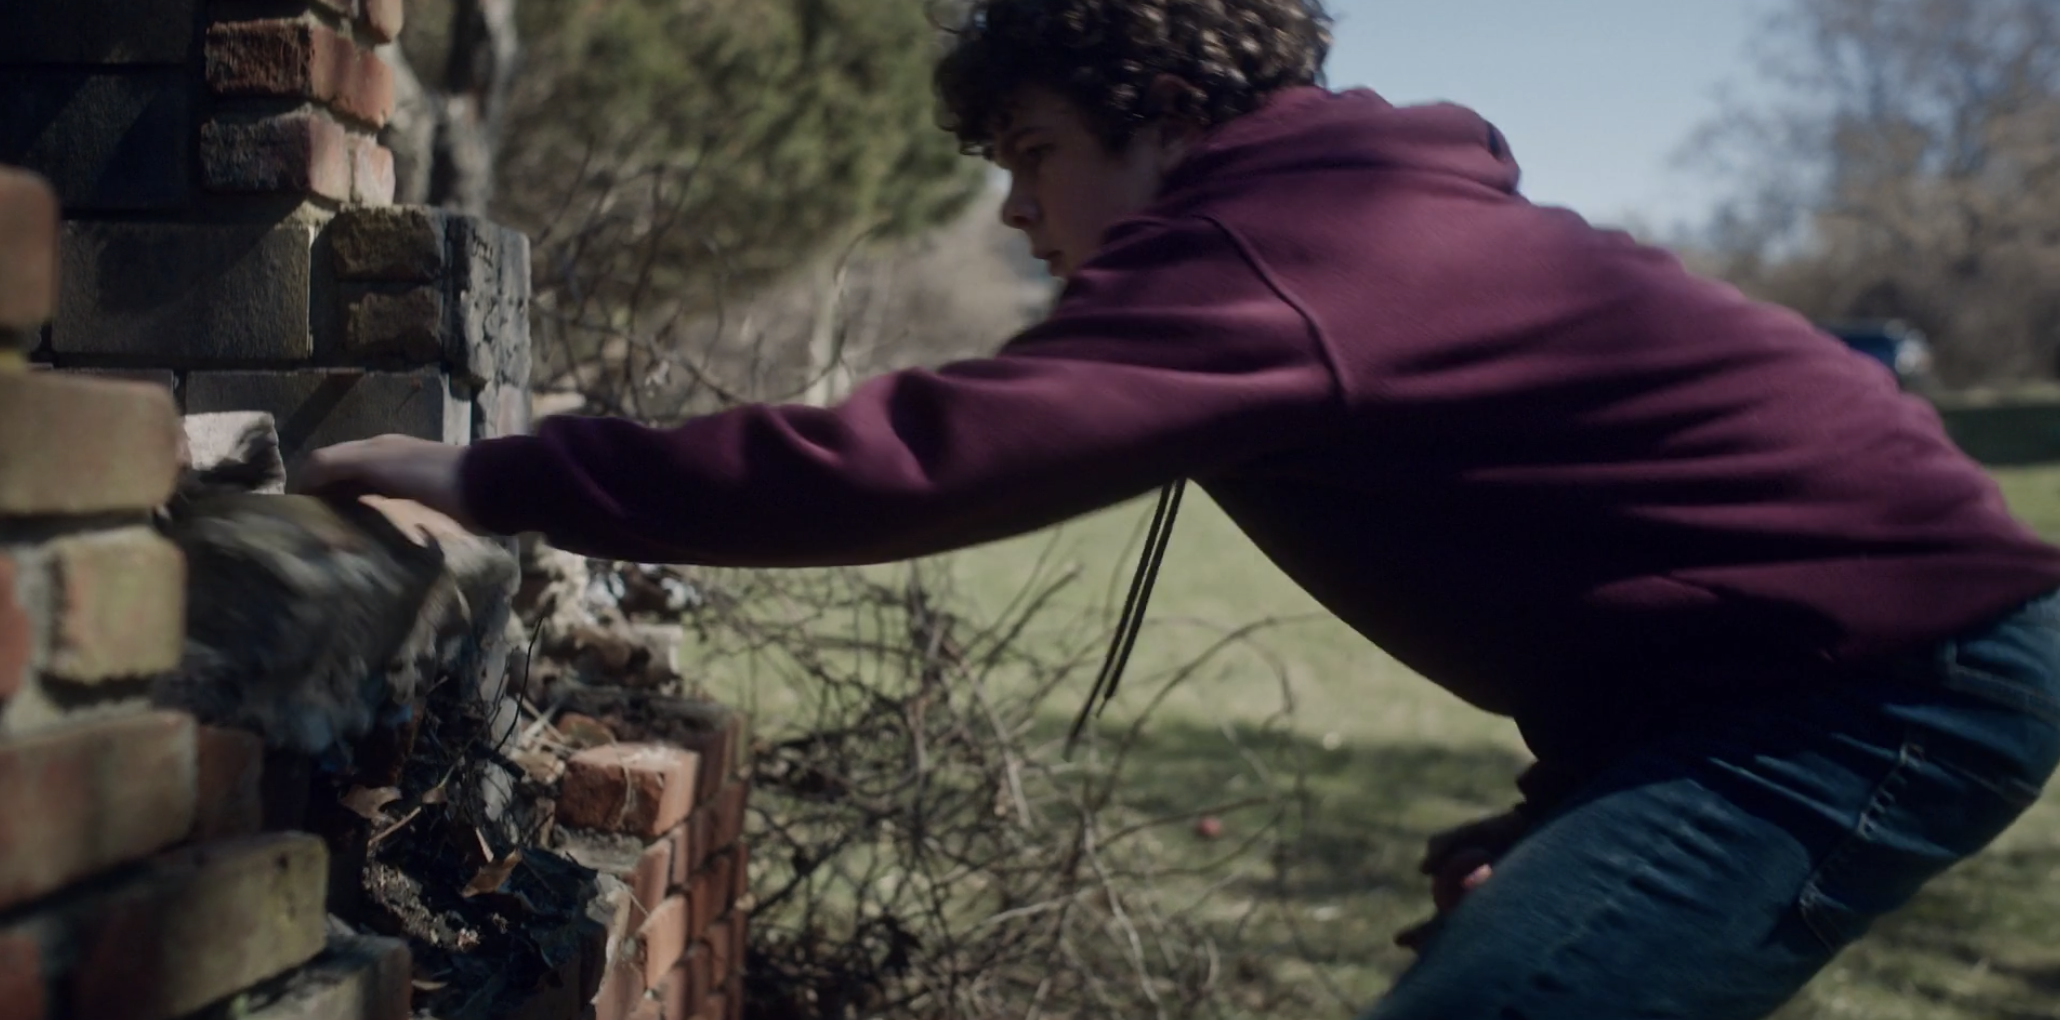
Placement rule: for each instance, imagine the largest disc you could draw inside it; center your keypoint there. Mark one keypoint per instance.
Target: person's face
(1066, 189)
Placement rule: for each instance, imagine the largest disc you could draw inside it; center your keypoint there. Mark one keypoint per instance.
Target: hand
(397, 466)
(1459, 860)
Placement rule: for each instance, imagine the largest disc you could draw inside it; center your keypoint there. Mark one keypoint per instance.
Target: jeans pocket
(1924, 817)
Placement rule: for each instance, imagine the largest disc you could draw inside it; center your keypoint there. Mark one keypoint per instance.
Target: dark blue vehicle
(1894, 344)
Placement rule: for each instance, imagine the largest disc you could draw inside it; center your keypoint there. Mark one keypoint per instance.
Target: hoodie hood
(1305, 129)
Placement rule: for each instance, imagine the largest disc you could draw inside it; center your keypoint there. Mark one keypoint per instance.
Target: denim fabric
(1712, 873)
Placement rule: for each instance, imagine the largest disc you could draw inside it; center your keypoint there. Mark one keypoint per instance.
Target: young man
(1780, 650)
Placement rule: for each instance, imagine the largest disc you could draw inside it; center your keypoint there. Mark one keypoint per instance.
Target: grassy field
(1388, 759)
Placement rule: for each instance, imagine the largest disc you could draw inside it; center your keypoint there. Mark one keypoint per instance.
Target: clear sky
(1596, 97)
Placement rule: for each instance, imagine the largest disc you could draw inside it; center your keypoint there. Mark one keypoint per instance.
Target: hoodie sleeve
(1169, 356)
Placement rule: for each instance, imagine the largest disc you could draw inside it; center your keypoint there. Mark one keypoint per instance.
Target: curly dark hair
(1103, 56)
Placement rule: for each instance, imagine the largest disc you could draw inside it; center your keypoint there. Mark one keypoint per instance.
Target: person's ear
(1173, 104)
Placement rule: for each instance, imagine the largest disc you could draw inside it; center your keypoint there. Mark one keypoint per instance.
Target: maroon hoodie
(1540, 463)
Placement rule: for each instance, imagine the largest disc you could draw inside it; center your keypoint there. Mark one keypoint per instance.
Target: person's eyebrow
(1005, 146)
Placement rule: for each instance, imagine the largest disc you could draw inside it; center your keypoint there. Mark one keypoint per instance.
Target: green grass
(1388, 758)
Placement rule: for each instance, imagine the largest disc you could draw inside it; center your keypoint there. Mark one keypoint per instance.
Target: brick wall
(137, 878)
(229, 232)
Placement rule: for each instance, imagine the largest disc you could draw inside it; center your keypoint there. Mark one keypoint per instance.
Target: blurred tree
(670, 156)
(1907, 167)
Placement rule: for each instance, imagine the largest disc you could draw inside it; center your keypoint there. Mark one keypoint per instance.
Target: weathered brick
(721, 949)
(108, 142)
(407, 325)
(685, 985)
(317, 409)
(83, 799)
(704, 902)
(198, 924)
(640, 789)
(299, 58)
(355, 978)
(187, 295)
(97, 32)
(121, 605)
(383, 19)
(716, 1007)
(491, 335)
(622, 987)
(740, 874)
(28, 255)
(297, 153)
(119, 447)
(372, 180)
(21, 977)
(17, 629)
(501, 409)
(346, 8)
(403, 244)
(647, 1009)
(694, 845)
(662, 939)
(729, 814)
(644, 869)
(229, 793)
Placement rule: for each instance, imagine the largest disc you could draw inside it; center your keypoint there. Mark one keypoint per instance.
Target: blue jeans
(1713, 873)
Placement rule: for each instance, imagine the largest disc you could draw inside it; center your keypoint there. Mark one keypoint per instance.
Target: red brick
(301, 153)
(28, 253)
(16, 630)
(371, 172)
(70, 445)
(621, 988)
(121, 605)
(645, 873)
(198, 924)
(704, 902)
(383, 19)
(229, 801)
(722, 880)
(646, 1009)
(715, 1007)
(685, 985)
(740, 874)
(21, 977)
(355, 978)
(698, 843)
(641, 789)
(80, 800)
(721, 950)
(729, 814)
(733, 999)
(662, 939)
(302, 59)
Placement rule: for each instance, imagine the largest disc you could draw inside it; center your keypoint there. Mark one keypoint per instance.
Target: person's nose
(1018, 210)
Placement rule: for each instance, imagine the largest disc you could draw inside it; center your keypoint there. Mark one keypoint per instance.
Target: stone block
(98, 31)
(355, 978)
(298, 153)
(107, 142)
(320, 408)
(402, 244)
(185, 294)
(196, 925)
(638, 789)
(80, 446)
(229, 785)
(28, 256)
(405, 325)
(299, 58)
(85, 798)
(120, 605)
(492, 303)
